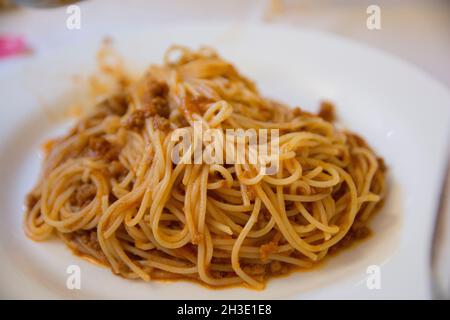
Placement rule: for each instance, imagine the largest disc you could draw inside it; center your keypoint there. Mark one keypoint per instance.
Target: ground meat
(136, 120)
(85, 242)
(284, 269)
(157, 88)
(89, 239)
(275, 267)
(254, 269)
(161, 123)
(99, 146)
(266, 214)
(251, 193)
(382, 164)
(102, 148)
(116, 104)
(117, 170)
(154, 99)
(112, 154)
(326, 111)
(220, 274)
(358, 231)
(196, 238)
(156, 106)
(266, 249)
(298, 112)
(83, 195)
(180, 121)
(189, 107)
(201, 102)
(30, 201)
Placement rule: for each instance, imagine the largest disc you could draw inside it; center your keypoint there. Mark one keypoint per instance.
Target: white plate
(403, 113)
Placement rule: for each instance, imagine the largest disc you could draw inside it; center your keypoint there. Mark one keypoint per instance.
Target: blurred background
(416, 31)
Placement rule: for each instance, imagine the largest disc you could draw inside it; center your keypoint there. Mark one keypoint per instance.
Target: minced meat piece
(298, 112)
(90, 240)
(83, 194)
(266, 249)
(116, 169)
(30, 201)
(254, 269)
(154, 99)
(159, 106)
(161, 123)
(157, 88)
(136, 120)
(102, 148)
(326, 111)
(275, 267)
(99, 146)
(116, 104)
(382, 164)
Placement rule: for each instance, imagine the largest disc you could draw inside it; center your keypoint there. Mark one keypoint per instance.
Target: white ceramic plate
(403, 113)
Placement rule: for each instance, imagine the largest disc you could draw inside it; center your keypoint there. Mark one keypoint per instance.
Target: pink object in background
(12, 46)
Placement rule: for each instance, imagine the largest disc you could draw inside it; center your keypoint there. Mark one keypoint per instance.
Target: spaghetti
(111, 192)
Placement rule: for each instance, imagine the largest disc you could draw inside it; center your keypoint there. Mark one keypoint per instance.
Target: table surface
(416, 31)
